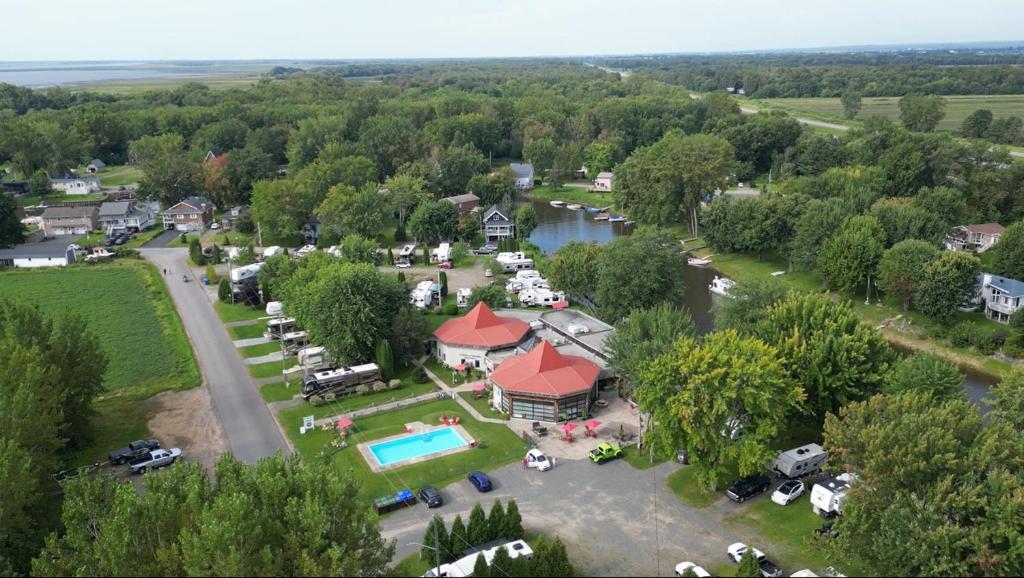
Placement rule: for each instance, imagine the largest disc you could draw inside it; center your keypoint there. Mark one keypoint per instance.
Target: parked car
(788, 492)
(215, 225)
(480, 481)
(431, 497)
(487, 249)
(682, 567)
(403, 264)
(109, 241)
(132, 451)
(605, 452)
(748, 487)
(153, 460)
(121, 240)
(536, 459)
(736, 551)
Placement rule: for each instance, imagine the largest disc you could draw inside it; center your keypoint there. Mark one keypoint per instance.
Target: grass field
(115, 176)
(247, 331)
(571, 195)
(271, 368)
(957, 108)
(231, 312)
(129, 87)
(499, 446)
(482, 404)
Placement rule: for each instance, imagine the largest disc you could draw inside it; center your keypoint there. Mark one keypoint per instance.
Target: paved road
(251, 431)
(163, 240)
(605, 515)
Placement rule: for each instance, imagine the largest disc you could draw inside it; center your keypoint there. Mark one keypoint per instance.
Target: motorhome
(462, 296)
(464, 566)
(271, 251)
(424, 295)
(278, 326)
(240, 275)
(442, 254)
(312, 358)
(516, 261)
(340, 381)
(827, 497)
(540, 297)
(293, 341)
(407, 255)
(801, 461)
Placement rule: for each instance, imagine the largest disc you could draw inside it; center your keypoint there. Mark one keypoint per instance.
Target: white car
(788, 492)
(536, 459)
(215, 225)
(737, 550)
(682, 567)
(403, 265)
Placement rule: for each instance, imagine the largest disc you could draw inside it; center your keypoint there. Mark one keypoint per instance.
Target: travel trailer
(271, 251)
(275, 308)
(339, 381)
(827, 497)
(510, 262)
(312, 358)
(424, 295)
(442, 254)
(540, 297)
(407, 255)
(462, 297)
(242, 274)
(293, 341)
(801, 461)
(278, 327)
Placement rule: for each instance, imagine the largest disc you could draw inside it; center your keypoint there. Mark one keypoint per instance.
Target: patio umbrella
(344, 423)
(479, 387)
(570, 426)
(592, 424)
(460, 367)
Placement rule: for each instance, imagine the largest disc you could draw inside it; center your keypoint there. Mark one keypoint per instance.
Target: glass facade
(535, 409)
(545, 409)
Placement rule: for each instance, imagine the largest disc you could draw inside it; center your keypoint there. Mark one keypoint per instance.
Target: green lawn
(411, 565)
(353, 402)
(272, 392)
(482, 404)
(684, 485)
(260, 349)
(571, 195)
(115, 176)
(247, 331)
(444, 373)
(271, 368)
(641, 460)
(499, 446)
(231, 312)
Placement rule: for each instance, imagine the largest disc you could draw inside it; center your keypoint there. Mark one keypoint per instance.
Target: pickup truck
(604, 452)
(153, 460)
(135, 449)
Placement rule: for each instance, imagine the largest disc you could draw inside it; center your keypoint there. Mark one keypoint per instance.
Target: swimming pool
(415, 446)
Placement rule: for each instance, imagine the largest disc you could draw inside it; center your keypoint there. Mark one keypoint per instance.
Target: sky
(343, 29)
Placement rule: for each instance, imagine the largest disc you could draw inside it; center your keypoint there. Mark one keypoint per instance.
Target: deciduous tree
(926, 372)
(12, 232)
(639, 271)
(922, 113)
(434, 222)
(574, 268)
(901, 269)
(644, 335)
(946, 282)
(852, 255)
(851, 101)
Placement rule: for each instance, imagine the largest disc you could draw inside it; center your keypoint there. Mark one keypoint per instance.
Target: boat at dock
(616, 219)
(722, 286)
(601, 216)
(574, 207)
(557, 203)
(697, 261)
(593, 210)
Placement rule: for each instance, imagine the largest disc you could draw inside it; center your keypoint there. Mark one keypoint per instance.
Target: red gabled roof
(545, 371)
(482, 328)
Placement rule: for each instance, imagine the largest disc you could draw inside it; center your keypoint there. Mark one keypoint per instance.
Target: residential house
(229, 220)
(58, 221)
(603, 182)
(523, 173)
(464, 203)
(76, 186)
(213, 154)
(95, 166)
(125, 216)
(497, 225)
(977, 238)
(191, 214)
(1002, 296)
(35, 255)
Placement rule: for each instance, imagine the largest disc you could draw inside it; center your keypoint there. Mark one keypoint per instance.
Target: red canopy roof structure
(545, 371)
(344, 423)
(482, 328)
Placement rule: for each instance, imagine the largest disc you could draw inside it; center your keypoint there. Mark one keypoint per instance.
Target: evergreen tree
(557, 561)
(496, 521)
(391, 256)
(401, 276)
(480, 567)
(513, 522)
(478, 530)
(385, 360)
(436, 536)
(442, 278)
(749, 566)
(224, 290)
(459, 539)
(501, 565)
(195, 251)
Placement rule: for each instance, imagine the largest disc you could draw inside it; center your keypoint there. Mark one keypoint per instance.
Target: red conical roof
(482, 328)
(545, 371)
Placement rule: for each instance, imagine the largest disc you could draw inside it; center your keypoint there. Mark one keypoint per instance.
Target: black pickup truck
(135, 449)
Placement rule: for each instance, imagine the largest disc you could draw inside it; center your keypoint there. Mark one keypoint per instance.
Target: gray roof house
(76, 220)
(95, 166)
(1002, 296)
(125, 215)
(191, 214)
(34, 255)
(497, 225)
(523, 172)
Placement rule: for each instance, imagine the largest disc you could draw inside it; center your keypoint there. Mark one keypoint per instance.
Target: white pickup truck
(153, 460)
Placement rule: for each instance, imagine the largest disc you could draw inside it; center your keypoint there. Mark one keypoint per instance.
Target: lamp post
(437, 551)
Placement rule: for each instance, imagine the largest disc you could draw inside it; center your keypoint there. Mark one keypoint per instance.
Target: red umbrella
(570, 426)
(560, 305)
(592, 424)
(344, 423)
(479, 387)
(460, 367)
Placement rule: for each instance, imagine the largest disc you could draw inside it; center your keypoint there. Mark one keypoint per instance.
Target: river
(557, 226)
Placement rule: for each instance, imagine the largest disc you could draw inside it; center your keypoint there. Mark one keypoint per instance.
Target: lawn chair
(539, 430)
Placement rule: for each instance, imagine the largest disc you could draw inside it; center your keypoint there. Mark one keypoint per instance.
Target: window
(532, 409)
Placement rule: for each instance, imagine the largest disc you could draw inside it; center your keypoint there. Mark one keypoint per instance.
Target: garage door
(60, 231)
(181, 227)
(81, 230)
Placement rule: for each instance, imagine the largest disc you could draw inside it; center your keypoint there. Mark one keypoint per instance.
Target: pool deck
(418, 428)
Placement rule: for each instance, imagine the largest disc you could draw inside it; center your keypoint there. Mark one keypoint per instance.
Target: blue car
(480, 481)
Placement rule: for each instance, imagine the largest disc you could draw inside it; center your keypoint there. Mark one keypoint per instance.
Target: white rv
(242, 274)
(464, 566)
(827, 497)
(442, 254)
(312, 358)
(293, 341)
(540, 297)
(271, 251)
(510, 262)
(278, 326)
(801, 461)
(423, 295)
(407, 255)
(305, 250)
(275, 308)
(462, 296)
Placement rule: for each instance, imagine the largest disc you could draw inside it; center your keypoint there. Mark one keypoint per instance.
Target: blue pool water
(417, 446)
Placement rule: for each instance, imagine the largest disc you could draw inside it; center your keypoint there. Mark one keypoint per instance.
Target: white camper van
(423, 295)
(510, 262)
(801, 461)
(827, 497)
(242, 274)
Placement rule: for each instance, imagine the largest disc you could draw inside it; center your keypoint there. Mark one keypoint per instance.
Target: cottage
(497, 225)
(95, 166)
(213, 154)
(465, 204)
(191, 214)
(76, 186)
(35, 255)
(603, 182)
(229, 220)
(545, 385)
(59, 221)
(1002, 296)
(468, 339)
(125, 216)
(523, 173)
(977, 238)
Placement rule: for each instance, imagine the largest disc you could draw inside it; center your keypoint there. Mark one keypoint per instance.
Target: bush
(985, 343)
(224, 291)
(126, 253)
(1014, 346)
(962, 334)
(419, 375)
(438, 310)
(183, 238)
(395, 384)
(211, 275)
(451, 309)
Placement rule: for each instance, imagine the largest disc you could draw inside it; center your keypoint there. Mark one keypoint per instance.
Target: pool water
(417, 446)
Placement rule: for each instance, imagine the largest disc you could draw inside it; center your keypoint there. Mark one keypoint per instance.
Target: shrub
(211, 274)
(451, 309)
(395, 384)
(126, 253)
(1014, 346)
(985, 343)
(962, 334)
(419, 375)
(224, 290)
(183, 238)
(438, 310)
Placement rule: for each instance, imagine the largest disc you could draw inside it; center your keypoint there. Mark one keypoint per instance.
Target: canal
(557, 226)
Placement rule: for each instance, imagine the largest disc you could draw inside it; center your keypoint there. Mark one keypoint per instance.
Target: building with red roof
(468, 339)
(545, 385)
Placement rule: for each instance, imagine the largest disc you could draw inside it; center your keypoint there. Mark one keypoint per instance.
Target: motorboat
(557, 203)
(593, 210)
(722, 286)
(616, 219)
(574, 207)
(697, 261)
(601, 217)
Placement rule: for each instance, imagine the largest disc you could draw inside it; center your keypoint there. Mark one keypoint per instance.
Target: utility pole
(259, 235)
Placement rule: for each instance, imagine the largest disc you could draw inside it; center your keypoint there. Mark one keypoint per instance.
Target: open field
(957, 108)
(499, 446)
(116, 176)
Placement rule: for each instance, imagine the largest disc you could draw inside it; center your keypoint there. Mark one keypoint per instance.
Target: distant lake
(43, 74)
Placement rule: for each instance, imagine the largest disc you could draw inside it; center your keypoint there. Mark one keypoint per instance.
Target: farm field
(957, 107)
(137, 86)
